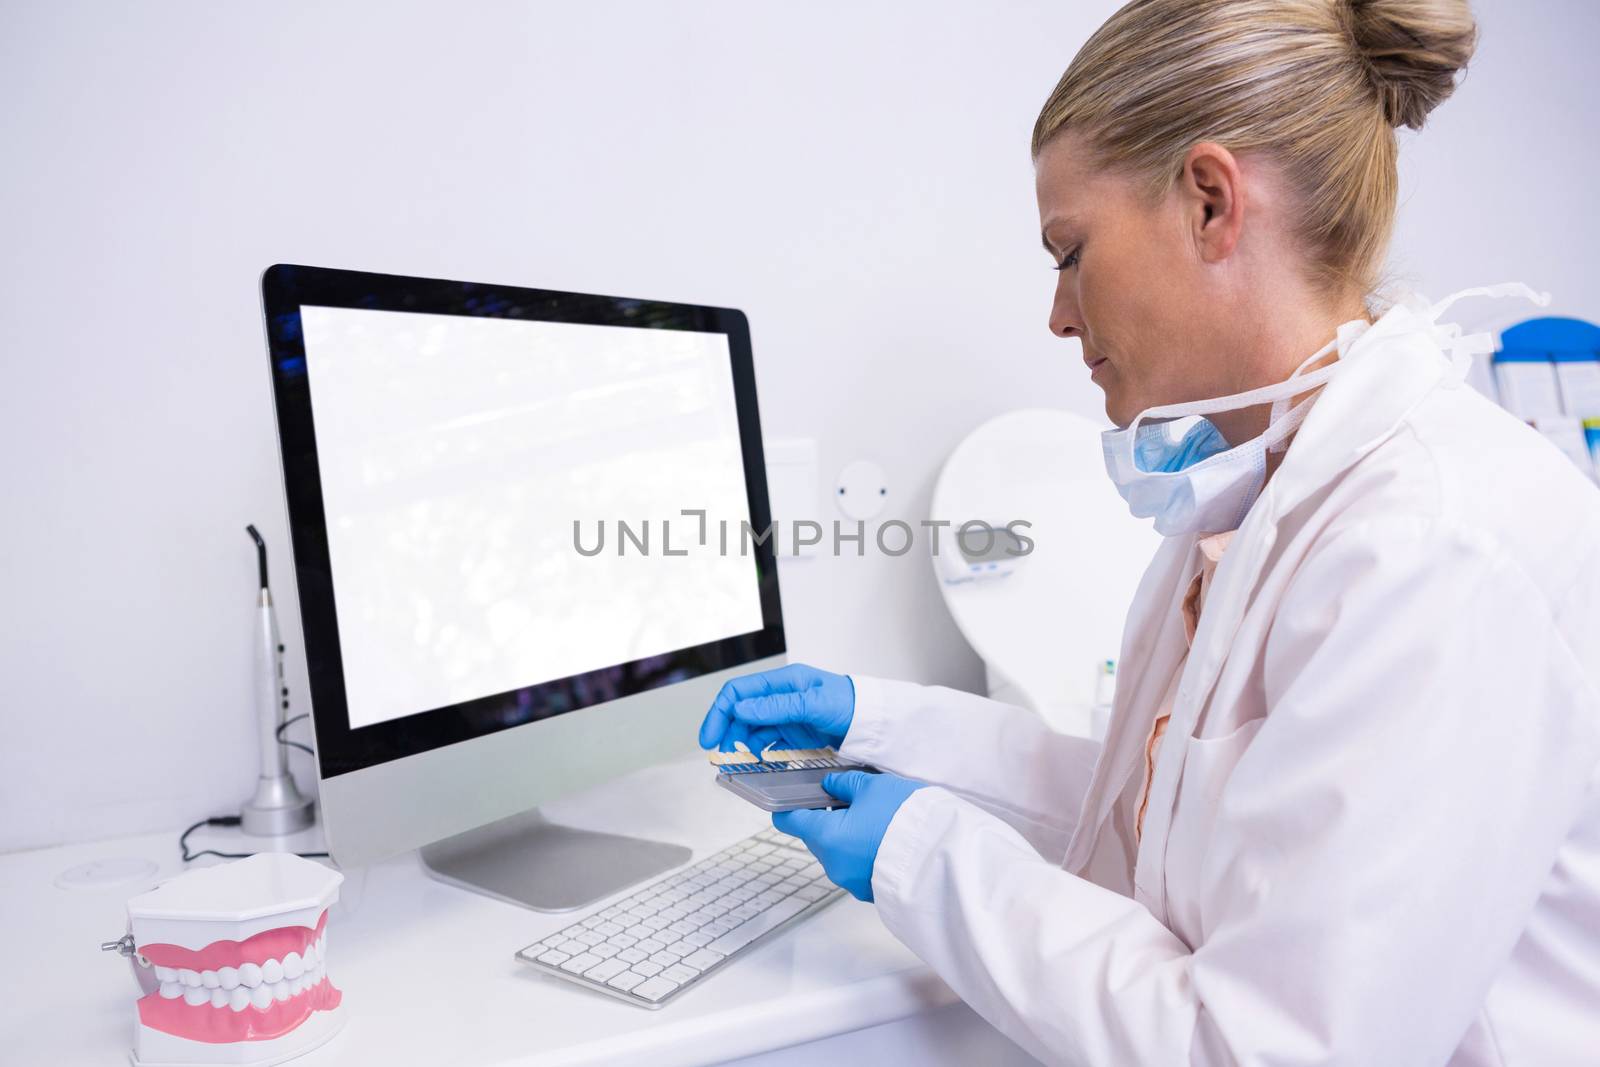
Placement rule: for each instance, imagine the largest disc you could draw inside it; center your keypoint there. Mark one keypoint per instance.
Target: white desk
(428, 974)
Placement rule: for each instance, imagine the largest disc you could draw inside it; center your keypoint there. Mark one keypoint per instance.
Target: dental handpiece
(277, 806)
(271, 692)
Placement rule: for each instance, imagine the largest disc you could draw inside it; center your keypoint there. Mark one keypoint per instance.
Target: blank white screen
(455, 455)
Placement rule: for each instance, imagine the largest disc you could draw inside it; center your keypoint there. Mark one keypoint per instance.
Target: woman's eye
(1070, 260)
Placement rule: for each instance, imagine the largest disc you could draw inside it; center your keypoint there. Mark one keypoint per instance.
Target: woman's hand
(790, 707)
(846, 841)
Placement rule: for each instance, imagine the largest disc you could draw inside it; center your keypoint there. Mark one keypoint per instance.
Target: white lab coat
(1373, 832)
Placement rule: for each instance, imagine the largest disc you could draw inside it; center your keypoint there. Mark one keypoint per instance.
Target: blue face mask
(1197, 482)
(1155, 450)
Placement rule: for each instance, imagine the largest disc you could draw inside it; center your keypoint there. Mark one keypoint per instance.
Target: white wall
(854, 176)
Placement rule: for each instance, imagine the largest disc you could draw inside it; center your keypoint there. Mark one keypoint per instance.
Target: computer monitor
(528, 541)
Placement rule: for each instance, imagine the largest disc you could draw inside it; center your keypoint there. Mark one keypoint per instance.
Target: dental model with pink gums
(234, 963)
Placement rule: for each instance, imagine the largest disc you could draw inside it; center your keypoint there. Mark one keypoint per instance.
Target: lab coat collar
(1390, 366)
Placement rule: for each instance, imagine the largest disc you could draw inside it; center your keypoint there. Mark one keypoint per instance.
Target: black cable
(219, 820)
(284, 725)
(224, 820)
(234, 820)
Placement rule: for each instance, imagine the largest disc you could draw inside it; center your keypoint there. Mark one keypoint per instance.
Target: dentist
(1348, 810)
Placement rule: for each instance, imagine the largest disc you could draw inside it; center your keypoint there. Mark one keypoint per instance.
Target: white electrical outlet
(792, 489)
(861, 490)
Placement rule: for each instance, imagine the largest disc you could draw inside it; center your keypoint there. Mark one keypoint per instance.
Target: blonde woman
(1348, 811)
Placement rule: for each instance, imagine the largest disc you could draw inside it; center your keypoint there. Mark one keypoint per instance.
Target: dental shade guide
(780, 779)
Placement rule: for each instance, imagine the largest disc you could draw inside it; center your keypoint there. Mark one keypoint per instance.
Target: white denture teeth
(259, 984)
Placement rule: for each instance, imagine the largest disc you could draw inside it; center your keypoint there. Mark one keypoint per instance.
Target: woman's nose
(1064, 318)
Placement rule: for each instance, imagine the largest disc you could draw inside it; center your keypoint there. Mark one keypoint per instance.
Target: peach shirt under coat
(1211, 548)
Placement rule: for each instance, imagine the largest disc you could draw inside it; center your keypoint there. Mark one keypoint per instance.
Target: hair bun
(1412, 50)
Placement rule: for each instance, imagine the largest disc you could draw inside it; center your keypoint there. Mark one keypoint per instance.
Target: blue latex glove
(793, 707)
(846, 841)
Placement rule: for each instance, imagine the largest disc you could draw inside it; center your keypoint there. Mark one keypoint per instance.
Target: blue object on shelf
(1560, 340)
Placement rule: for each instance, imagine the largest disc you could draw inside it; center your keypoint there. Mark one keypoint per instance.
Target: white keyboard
(649, 946)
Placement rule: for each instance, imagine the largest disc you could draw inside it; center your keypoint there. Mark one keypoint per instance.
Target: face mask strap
(1279, 430)
(1496, 291)
(1303, 382)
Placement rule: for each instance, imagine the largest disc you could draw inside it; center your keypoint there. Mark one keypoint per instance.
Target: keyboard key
(605, 971)
(627, 955)
(605, 950)
(666, 959)
(623, 940)
(680, 973)
(702, 960)
(811, 893)
(554, 958)
(573, 948)
(700, 938)
(591, 922)
(609, 929)
(650, 945)
(589, 937)
(579, 964)
(646, 968)
(747, 932)
(654, 989)
(626, 981)
(681, 927)
(639, 931)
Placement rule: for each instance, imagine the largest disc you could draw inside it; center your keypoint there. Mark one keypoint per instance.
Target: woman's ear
(1212, 192)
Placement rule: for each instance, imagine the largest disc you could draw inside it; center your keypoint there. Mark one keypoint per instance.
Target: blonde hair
(1318, 86)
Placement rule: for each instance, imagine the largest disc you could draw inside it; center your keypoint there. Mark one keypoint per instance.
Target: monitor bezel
(285, 289)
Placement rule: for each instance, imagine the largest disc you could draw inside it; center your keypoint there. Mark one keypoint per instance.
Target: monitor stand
(526, 859)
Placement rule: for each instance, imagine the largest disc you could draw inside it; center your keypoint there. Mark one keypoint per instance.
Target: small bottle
(1105, 688)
